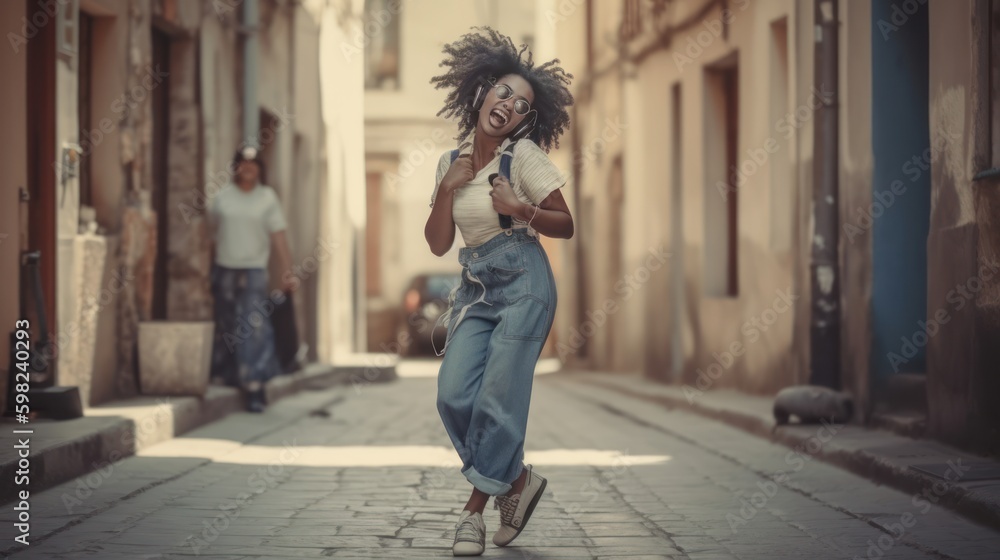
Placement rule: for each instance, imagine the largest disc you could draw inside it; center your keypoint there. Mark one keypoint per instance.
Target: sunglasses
(521, 107)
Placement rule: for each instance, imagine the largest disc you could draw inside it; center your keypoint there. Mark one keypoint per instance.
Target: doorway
(41, 143)
(161, 188)
(677, 309)
(901, 201)
(721, 198)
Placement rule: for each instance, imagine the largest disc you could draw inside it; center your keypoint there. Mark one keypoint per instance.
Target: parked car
(424, 301)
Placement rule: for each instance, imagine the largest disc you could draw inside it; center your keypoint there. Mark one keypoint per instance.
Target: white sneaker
(470, 535)
(516, 510)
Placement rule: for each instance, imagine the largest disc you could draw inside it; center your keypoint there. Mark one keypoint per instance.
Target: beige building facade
(671, 266)
(130, 116)
(705, 113)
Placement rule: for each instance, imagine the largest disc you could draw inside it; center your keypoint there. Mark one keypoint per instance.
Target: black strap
(506, 159)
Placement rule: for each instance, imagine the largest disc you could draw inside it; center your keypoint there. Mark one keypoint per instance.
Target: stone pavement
(368, 472)
(905, 463)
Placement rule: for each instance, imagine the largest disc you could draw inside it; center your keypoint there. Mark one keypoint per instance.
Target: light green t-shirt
(244, 222)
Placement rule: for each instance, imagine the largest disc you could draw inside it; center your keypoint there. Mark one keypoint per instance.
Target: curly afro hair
(485, 53)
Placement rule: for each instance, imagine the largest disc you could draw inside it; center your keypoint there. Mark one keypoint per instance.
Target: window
(631, 20)
(381, 28)
(722, 179)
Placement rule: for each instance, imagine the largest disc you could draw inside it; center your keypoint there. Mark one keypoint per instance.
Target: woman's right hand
(458, 174)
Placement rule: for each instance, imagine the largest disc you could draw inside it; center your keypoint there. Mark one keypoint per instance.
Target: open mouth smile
(499, 118)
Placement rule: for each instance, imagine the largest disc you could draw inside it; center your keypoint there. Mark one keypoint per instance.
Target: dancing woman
(502, 192)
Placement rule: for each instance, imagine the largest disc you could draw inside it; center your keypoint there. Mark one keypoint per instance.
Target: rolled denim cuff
(485, 484)
(489, 485)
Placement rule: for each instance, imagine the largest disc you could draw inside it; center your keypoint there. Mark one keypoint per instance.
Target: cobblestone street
(368, 472)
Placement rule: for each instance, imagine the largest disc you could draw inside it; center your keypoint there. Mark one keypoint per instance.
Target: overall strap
(454, 155)
(506, 158)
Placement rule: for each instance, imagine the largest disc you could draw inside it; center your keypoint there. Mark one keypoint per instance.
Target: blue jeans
(243, 349)
(500, 316)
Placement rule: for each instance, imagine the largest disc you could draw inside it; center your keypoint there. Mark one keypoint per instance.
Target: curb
(877, 468)
(118, 429)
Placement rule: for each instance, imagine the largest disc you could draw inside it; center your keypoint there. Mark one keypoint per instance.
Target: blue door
(899, 215)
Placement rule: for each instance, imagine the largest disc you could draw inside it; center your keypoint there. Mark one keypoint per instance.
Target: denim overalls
(500, 316)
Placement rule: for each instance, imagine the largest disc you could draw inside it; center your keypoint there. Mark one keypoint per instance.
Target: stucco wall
(563, 38)
(638, 336)
(13, 151)
(342, 202)
(962, 247)
(309, 170)
(951, 355)
(856, 164)
(67, 216)
(110, 38)
(774, 196)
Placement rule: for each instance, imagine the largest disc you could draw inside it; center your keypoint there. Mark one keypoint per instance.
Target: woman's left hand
(504, 200)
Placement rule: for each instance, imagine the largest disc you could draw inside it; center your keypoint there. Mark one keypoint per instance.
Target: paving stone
(615, 529)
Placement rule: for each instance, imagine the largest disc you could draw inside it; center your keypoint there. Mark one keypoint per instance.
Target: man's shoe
(470, 535)
(256, 401)
(516, 510)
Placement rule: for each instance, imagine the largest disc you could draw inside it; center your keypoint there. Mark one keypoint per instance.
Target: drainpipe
(251, 114)
(824, 364)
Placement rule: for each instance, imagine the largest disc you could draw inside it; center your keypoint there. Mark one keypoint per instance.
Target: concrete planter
(175, 357)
